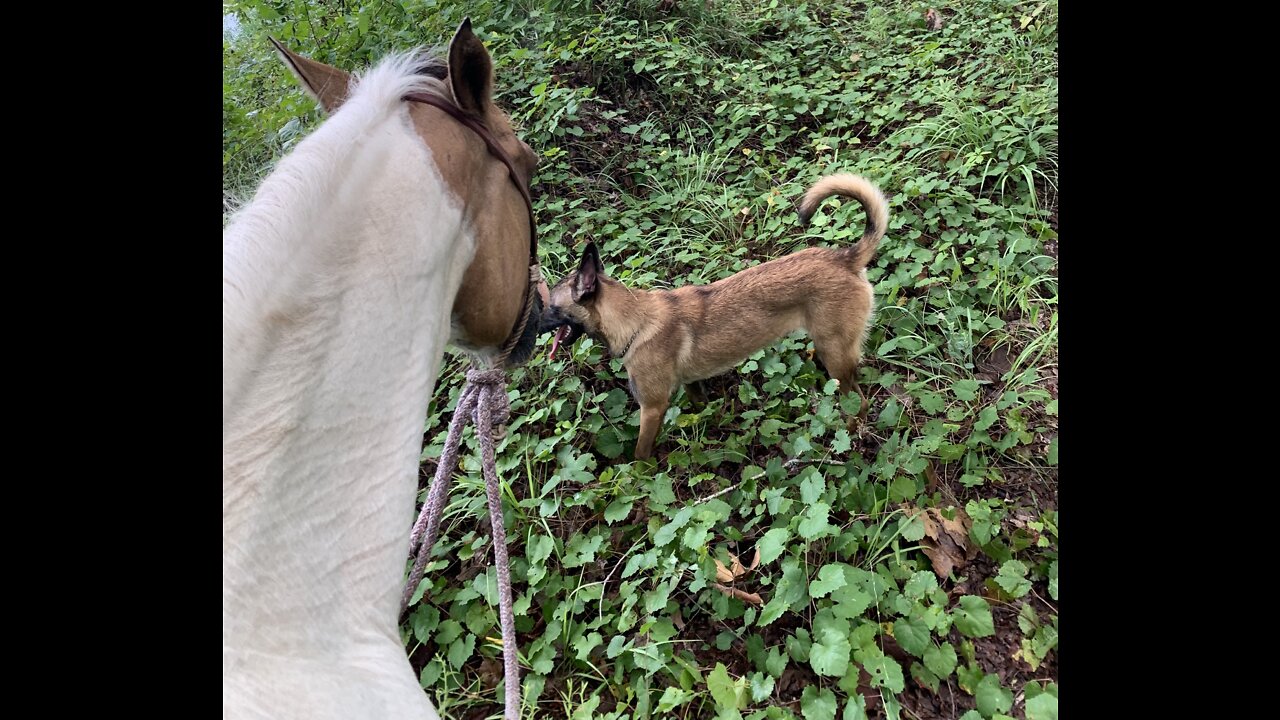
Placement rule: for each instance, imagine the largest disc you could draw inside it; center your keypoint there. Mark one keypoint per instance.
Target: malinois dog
(669, 338)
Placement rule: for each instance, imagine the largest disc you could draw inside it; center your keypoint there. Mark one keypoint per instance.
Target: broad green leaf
(966, 390)
(430, 673)
(540, 547)
(460, 650)
(447, 631)
(772, 544)
(616, 646)
(829, 654)
(830, 577)
(812, 487)
(672, 698)
(885, 672)
(635, 563)
(818, 704)
(902, 489)
(1028, 621)
(932, 402)
(776, 662)
(695, 537)
(773, 610)
(662, 492)
(586, 643)
(1042, 707)
(610, 443)
(851, 599)
(617, 510)
(1013, 579)
(799, 645)
(991, 697)
(920, 584)
(913, 529)
(581, 549)
(969, 677)
(761, 687)
(657, 598)
(912, 635)
(973, 617)
(841, 442)
(856, 708)
(586, 711)
(924, 676)
(941, 661)
(725, 691)
(815, 524)
(423, 620)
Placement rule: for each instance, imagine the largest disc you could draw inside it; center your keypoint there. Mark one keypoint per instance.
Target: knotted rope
(484, 401)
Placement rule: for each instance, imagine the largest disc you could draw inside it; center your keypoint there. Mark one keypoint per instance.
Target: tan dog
(669, 338)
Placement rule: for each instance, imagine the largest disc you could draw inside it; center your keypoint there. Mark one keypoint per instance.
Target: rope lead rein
(484, 400)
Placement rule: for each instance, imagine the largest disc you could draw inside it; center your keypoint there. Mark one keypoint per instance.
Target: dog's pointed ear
(326, 84)
(587, 280)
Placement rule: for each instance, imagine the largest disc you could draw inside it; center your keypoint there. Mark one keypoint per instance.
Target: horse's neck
(321, 445)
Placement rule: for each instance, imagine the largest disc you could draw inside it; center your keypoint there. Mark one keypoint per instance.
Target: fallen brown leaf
(933, 20)
(946, 542)
(736, 568)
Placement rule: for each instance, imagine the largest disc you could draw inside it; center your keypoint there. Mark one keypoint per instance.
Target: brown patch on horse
(492, 294)
(493, 287)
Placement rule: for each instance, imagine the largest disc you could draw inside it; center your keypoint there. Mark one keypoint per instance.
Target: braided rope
(484, 401)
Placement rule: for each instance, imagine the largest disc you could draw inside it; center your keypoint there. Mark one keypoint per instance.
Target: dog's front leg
(650, 421)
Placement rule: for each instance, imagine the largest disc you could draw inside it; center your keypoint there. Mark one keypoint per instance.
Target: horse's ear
(470, 71)
(328, 85)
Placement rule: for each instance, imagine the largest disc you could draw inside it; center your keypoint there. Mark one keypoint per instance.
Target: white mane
(338, 281)
(273, 238)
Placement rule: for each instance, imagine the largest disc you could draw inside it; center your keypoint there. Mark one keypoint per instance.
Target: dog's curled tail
(862, 190)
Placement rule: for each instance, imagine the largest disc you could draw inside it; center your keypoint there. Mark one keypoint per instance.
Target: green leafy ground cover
(908, 571)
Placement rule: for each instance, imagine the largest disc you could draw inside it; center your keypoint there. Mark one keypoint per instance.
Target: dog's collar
(634, 335)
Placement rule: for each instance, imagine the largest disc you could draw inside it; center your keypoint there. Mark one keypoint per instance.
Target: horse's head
(491, 301)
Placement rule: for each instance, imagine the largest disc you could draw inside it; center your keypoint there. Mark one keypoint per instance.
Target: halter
(495, 150)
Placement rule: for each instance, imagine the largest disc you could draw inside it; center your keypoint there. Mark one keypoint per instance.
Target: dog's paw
(858, 425)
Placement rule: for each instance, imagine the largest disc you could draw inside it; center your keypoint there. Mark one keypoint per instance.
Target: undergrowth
(907, 571)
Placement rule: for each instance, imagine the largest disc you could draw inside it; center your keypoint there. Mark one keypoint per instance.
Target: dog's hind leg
(697, 392)
(841, 355)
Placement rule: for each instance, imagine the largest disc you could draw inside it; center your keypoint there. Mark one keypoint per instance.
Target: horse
(391, 230)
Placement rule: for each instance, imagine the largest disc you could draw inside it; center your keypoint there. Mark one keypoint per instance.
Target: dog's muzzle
(567, 330)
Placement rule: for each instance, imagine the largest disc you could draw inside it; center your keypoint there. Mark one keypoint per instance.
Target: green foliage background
(678, 136)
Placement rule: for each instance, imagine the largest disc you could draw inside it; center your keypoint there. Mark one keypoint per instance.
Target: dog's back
(822, 290)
